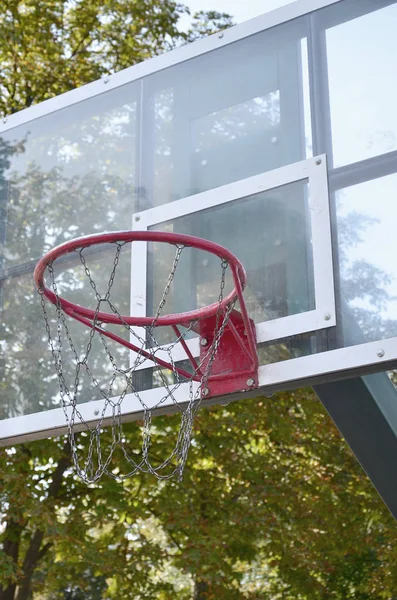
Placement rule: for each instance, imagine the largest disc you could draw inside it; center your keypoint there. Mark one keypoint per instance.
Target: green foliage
(47, 48)
(272, 504)
(206, 23)
(8, 569)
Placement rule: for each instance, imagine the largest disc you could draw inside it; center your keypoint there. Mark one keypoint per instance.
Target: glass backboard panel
(279, 263)
(68, 174)
(28, 381)
(225, 116)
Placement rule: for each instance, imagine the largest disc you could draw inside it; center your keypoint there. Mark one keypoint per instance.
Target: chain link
(94, 463)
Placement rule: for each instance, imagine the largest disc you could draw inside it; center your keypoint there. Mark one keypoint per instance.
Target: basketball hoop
(227, 360)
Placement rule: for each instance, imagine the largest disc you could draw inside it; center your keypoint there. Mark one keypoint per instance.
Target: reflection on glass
(269, 232)
(226, 115)
(68, 174)
(27, 372)
(362, 63)
(247, 126)
(366, 215)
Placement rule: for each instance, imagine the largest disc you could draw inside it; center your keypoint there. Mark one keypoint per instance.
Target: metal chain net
(93, 458)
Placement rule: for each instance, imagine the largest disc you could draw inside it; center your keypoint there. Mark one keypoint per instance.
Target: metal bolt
(327, 316)
(203, 341)
(205, 391)
(318, 161)
(250, 382)
(220, 36)
(137, 218)
(5, 120)
(380, 353)
(106, 80)
(96, 412)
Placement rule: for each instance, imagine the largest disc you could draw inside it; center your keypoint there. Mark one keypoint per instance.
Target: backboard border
(323, 316)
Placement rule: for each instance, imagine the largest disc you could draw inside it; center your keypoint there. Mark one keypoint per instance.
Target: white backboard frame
(314, 171)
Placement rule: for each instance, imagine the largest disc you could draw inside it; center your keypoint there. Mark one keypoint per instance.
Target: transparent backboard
(277, 140)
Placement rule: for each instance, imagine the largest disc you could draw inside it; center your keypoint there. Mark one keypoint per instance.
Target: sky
(241, 10)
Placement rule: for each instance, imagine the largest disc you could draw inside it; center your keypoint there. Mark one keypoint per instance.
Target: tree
(47, 48)
(272, 503)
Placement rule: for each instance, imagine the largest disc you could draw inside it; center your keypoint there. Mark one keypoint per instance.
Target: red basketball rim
(236, 267)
